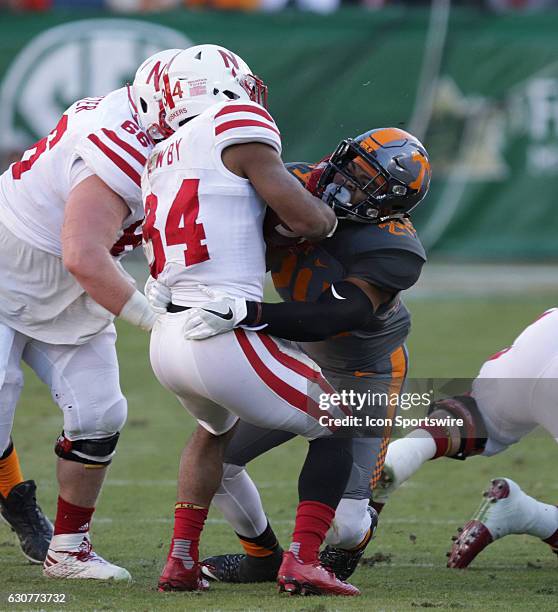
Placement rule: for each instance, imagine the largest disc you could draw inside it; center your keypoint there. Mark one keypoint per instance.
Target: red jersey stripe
(244, 108)
(299, 367)
(239, 123)
(293, 396)
(116, 159)
(125, 146)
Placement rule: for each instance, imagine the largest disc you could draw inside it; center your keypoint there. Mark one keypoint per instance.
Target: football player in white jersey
(69, 208)
(515, 392)
(204, 190)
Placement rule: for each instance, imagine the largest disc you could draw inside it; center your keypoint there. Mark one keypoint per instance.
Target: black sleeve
(389, 269)
(343, 307)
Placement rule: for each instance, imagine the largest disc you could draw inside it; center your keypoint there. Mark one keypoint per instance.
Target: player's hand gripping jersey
(203, 224)
(95, 136)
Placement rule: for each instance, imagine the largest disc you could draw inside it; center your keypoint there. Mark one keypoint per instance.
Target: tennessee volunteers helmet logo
(424, 171)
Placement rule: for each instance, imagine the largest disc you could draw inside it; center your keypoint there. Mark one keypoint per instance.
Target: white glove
(217, 316)
(158, 295)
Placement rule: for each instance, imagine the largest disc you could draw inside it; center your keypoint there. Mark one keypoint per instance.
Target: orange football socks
(10, 470)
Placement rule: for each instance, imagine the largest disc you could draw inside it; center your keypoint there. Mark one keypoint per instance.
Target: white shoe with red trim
(72, 556)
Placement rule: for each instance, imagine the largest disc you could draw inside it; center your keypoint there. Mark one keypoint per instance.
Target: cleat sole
(474, 536)
(294, 587)
(474, 539)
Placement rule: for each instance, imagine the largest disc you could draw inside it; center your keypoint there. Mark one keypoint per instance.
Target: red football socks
(313, 519)
(189, 520)
(71, 518)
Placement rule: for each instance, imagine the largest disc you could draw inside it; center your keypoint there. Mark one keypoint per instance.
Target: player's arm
(345, 306)
(362, 301)
(306, 215)
(93, 217)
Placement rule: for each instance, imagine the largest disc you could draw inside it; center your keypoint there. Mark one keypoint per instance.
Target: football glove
(217, 316)
(158, 295)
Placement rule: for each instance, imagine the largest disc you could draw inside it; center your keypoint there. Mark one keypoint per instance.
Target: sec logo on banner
(68, 62)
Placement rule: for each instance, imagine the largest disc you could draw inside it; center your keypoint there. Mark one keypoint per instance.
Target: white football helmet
(202, 76)
(146, 94)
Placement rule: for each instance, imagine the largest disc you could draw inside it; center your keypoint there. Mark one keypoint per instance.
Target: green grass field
(406, 561)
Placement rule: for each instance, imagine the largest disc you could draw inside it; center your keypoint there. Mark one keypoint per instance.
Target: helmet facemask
(367, 185)
(354, 185)
(146, 96)
(255, 88)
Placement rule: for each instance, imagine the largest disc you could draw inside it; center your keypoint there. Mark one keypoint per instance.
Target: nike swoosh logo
(358, 373)
(336, 295)
(227, 315)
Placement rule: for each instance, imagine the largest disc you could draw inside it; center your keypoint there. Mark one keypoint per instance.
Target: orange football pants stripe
(398, 372)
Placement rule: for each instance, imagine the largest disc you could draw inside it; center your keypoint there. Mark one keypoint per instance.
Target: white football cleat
(71, 556)
(506, 509)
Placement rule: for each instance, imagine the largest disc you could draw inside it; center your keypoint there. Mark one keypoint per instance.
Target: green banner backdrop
(480, 90)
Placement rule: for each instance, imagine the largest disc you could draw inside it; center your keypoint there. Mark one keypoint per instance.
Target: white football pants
(241, 374)
(83, 381)
(517, 388)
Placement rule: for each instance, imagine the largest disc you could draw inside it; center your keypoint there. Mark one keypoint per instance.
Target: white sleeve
(117, 157)
(78, 172)
(244, 122)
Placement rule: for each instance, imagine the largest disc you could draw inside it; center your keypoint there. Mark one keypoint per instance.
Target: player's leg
(203, 453)
(10, 471)
(268, 383)
(297, 381)
(84, 382)
(18, 504)
(506, 509)
(405, 456)
(355, 521)
(356, 518)
(201, 463)
(239, 501)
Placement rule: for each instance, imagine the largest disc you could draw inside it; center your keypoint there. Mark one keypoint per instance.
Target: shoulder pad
(243, 122)
(394, 234)
(115, 148)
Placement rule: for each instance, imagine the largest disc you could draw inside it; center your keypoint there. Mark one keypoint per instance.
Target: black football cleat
(25, 517)
(241, 568)
(343, 563)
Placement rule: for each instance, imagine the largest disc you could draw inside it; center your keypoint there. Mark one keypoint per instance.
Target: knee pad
(90, 452)
(231, 471)
(350, 525)
(465, 440)
(114, 418)
(85, 421)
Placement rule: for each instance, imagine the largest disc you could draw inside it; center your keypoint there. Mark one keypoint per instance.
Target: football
(277, 233)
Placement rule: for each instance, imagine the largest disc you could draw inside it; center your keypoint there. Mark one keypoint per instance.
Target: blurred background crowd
(318, 6)
(476, 81)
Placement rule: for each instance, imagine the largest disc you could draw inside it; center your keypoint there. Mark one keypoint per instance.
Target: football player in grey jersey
(342, 304)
